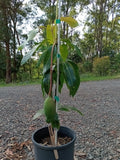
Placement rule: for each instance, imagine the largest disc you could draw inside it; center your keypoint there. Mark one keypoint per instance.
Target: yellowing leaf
(69, 20)
(51, 34)
(42, 27)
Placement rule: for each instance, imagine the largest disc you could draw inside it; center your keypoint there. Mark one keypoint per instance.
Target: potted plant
(57, 70)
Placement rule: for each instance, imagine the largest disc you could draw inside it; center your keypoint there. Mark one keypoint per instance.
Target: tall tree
(6, 34)
(67, 9)
(14, 9)
(11, 12)
(103, 24)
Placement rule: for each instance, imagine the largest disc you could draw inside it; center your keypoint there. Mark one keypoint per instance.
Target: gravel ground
(98, 131)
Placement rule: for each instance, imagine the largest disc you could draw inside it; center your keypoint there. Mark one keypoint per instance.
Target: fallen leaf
(27, 144)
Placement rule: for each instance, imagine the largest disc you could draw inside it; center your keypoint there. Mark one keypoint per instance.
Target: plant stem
(51, 70)
(52, 138)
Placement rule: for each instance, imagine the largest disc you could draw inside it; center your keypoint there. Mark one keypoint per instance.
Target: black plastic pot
(65, 152)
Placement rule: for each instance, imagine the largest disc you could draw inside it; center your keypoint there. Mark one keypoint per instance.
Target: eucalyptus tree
(19, 13)
(15, 6)
(11, 11)
(5, 33)
(67, 8)
(103, 24)
(2, 62)
(48, 7)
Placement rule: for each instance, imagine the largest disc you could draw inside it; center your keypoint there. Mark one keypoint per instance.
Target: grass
(84, 78)
(91, 77)
(28, 82)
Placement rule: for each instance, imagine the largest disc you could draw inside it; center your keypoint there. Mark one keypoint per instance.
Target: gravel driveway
(98, 131)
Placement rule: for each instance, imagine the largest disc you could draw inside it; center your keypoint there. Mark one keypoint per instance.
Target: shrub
(81, 68)
(101, 66)
(115, 64)
(87, 66)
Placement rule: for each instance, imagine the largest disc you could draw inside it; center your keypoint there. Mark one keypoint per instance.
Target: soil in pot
(42, 149)
(61, 141)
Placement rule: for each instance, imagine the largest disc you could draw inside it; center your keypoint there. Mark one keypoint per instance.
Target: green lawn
(31, 82)
(91, 77)
(83, 78)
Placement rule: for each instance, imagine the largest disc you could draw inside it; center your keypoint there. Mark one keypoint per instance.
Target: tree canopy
(101, 33)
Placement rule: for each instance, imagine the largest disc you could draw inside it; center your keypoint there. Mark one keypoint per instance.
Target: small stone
(75, 158)
(118, 150)
(118, 138)
(90, 157)
(80, 154)
(110, 157)
(30, 155)
(1, 149)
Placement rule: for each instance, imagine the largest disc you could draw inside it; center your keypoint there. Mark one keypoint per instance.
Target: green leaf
(42, 87)
(68, 108)
(22, 46)
(46, 82)
(64, 52)
(69, 20)
(32, 34)
(29, 54)
(61, 78)
(69, 43)
(38, 114)
(64, 109)
(78, 51)
(43, 54)
(55, 123)
(77, 110)
(42, 57)
(72, 78)
(47, 59)
(51, 34)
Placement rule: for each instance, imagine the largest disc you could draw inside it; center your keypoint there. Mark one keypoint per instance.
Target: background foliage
(100, 37)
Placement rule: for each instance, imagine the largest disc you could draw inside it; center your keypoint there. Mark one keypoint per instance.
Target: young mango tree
(57, 69)
(68, 70)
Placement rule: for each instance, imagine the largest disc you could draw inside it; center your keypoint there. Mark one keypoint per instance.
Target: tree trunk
(14, 52)
(7, 44)
(100, 29)
(8, 64)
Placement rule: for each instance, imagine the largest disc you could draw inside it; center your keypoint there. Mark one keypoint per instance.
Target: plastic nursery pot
(65, 152)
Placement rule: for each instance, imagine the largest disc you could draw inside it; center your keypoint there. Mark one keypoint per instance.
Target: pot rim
(55, 147)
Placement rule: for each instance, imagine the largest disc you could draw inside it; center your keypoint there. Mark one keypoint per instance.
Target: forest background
(97, 37)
